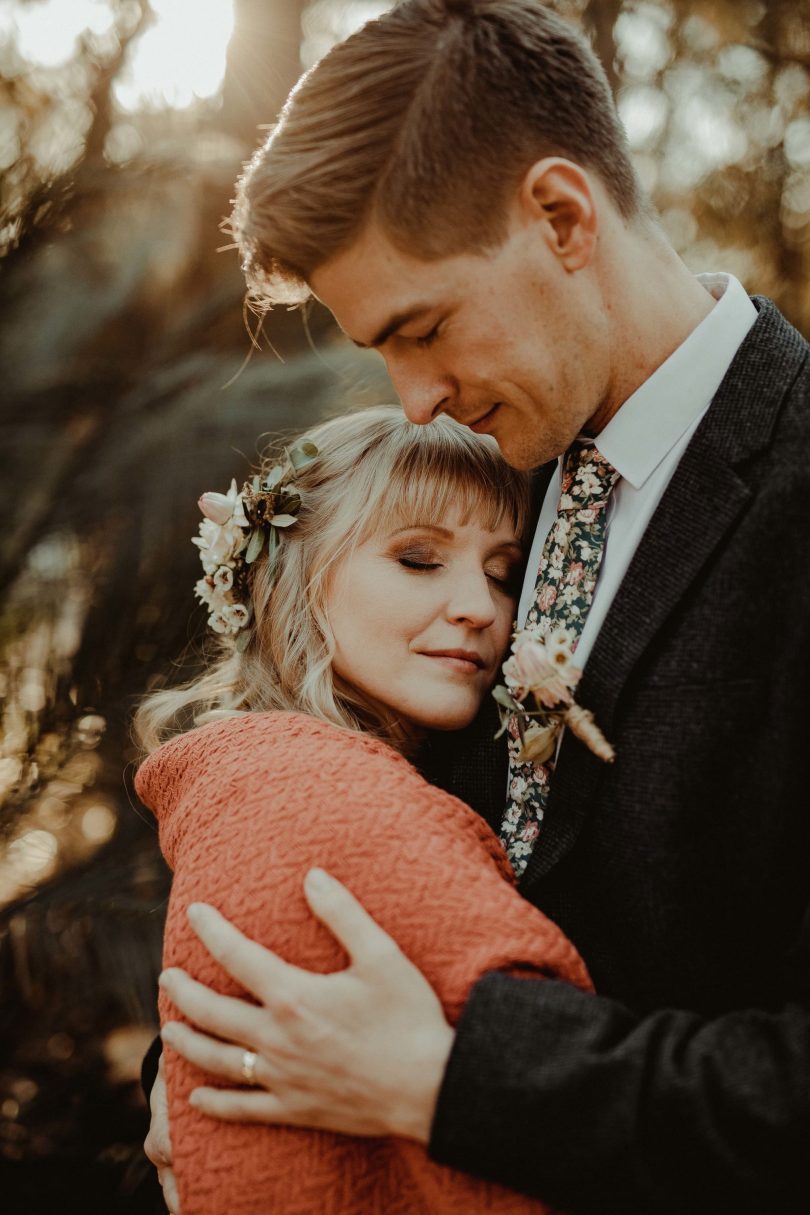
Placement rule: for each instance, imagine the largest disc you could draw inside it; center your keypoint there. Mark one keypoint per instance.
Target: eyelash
(504, 584)
(411, 563)
(428, 338)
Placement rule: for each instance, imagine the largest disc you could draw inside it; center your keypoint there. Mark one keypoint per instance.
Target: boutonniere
(541, 678)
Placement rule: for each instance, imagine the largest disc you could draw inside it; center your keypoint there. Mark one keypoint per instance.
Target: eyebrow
(447, 534)
(393, 324)
(423, 527)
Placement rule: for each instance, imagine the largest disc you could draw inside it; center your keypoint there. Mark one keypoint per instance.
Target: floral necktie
(562, 596)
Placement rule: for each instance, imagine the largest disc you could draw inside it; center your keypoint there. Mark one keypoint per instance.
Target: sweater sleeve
(268, 796)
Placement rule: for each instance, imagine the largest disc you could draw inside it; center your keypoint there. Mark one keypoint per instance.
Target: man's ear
(559, 196)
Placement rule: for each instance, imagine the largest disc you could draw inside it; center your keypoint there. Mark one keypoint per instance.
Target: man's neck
(660, 303)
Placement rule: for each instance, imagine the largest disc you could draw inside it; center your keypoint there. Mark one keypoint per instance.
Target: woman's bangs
(425, 486)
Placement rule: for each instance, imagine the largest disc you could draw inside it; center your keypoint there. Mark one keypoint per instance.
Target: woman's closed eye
(418, 561)
(505, 577)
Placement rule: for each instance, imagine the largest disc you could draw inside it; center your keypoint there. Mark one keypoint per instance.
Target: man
(453, 183)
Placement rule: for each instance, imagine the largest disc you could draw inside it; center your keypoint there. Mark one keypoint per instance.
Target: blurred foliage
(130, 385)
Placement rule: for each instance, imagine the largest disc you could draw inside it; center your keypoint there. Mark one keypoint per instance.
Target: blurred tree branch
(264, 62)
(30, 200)
(600, 19)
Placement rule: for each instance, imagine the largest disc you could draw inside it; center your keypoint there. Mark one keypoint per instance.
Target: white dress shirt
(645, 440)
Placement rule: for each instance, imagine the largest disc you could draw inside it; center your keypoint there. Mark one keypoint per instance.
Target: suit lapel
(702, 503)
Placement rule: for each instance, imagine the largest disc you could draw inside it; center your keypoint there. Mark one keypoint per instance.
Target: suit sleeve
(569, 1096)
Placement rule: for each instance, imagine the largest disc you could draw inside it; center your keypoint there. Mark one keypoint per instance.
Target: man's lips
(482, 424)
(462, 660)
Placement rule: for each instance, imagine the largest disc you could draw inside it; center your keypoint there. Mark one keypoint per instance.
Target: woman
(364, 591)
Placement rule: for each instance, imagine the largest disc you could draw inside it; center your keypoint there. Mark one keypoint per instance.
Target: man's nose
(471, 601)
(423, 393)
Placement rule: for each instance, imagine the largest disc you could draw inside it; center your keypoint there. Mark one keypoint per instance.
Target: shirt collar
(651, 421)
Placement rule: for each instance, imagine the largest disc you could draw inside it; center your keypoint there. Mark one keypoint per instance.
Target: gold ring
(249, 1058)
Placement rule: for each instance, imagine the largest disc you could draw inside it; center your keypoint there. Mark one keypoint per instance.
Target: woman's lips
(465, 661)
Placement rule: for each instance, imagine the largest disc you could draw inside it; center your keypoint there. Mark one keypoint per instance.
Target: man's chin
(520, 455)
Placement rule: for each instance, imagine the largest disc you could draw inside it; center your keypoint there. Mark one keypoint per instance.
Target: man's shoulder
(773, 347)
(760, 409)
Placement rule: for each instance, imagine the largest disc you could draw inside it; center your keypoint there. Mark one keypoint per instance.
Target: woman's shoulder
(251, 745)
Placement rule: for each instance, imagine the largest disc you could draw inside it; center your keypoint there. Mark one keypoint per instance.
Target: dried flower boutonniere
(543, 668)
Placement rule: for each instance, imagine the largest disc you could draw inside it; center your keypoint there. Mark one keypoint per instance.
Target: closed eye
(411, 564)
(508, 583)
(428, 338)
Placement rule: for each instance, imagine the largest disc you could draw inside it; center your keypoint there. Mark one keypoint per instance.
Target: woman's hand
(361, 1051)
(158, 1145)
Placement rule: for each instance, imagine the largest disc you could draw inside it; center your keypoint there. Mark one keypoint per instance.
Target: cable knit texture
(245, 807)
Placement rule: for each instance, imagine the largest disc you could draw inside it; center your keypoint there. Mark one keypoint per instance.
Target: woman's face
(421, 617)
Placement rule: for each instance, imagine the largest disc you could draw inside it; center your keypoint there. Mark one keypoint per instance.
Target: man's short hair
(425, 121)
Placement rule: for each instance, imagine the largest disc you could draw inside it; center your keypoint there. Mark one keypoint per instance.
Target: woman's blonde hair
(375, 470)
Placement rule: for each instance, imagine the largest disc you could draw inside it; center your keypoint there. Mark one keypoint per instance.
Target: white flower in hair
(218, 623)
(224, 508)
(223, 578)
(235, 530)
(236, 615)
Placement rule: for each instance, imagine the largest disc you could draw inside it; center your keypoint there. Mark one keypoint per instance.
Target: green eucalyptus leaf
(242, 640)
(282, 520)
(274, 477)
(302, 454)
(288, 503)
(255, 545)
(505, 698)
(256, 484)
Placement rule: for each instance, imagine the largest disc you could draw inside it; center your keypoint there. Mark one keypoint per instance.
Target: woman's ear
(559, 196)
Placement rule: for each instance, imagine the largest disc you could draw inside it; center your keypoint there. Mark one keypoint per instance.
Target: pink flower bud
(532, 664)
(216, 507)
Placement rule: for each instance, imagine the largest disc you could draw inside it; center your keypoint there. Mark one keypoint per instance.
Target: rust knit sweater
(245, 807)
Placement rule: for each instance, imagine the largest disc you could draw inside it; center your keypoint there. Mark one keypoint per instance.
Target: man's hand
(157, 1145)
(361, 1051)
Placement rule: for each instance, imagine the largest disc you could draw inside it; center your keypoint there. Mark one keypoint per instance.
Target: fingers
(224, 1016)
(360, 935)
(157, 1144)
(256, 968)
(170, 1195)
(211, 1055)
(240, 1105)
(157, 1149)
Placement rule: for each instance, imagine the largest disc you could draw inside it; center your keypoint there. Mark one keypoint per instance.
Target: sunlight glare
(47, 33)
(178, 59)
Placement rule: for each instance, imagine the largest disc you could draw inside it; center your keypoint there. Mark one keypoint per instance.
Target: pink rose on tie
(576, 572)
(547, 598)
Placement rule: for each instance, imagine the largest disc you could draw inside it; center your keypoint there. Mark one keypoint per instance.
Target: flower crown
(233, 534)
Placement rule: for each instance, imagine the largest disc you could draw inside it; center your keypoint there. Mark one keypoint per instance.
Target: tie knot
(587, 477)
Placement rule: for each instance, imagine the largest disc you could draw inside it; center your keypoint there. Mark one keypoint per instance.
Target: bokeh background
(131, 382)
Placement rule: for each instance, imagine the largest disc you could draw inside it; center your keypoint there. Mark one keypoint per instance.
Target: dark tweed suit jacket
(682, 872)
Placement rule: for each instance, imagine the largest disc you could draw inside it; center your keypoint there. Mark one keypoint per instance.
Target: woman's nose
(472, 602)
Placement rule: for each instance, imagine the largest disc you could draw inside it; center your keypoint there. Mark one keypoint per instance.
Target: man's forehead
(373, 289)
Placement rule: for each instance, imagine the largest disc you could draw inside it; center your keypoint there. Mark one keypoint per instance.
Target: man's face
(511, 343)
